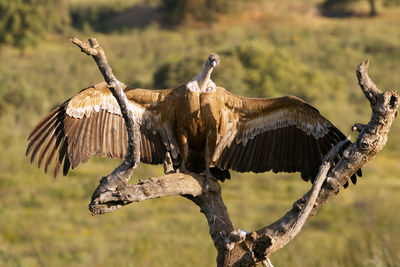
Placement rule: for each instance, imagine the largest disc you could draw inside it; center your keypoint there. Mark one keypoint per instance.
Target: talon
(206, 173)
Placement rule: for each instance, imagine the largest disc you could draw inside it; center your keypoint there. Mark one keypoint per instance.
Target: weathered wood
(237, 247)
(121, 175)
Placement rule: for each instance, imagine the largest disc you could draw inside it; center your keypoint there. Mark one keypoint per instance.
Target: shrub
(341, 8)
(23, 21)
(174, 73)
(252, 69)
(203, 10)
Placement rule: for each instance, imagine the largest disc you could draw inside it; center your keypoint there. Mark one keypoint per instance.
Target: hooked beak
(213, 63)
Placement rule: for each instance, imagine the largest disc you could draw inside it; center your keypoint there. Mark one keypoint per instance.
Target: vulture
(197, 127)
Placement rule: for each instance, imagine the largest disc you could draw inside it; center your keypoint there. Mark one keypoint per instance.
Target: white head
(212, 61)
(202, 81)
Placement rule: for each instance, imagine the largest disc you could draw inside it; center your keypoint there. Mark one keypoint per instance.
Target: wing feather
(276, 152)
(76, 144)
(51, 153)
(93, 137)
(271, 155)
(292, 149)
(266, 146)
(145, 154)
(117, 139)
(237, 157)
(85, 143)
(45, 149)
(110, 146)
(106, 135)
(90, 123)
(39, 137)
(124, 144)
(123, 136)
(283, 154)
(148, 144)
(249, 160)
(49, 119)
(67, 164)
(280, 134)
(100, 135)
(152, 142)
(61, 154)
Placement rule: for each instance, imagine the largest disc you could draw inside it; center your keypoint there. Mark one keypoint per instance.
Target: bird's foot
(168, 165)
(206, 173)
(182, 168)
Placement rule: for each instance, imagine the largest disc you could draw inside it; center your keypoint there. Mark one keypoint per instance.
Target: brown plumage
(203, 127)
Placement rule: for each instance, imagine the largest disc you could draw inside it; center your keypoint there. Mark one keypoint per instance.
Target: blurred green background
(267, 48)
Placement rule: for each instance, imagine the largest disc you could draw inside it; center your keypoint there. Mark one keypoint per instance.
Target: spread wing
(91, 123)
(282, 134)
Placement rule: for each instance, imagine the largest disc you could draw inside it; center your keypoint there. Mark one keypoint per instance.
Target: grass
(45, 222)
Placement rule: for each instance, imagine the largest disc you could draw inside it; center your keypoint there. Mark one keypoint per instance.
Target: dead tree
(236, 247)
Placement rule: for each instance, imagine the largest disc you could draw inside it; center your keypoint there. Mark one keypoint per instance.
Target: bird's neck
(204, 76)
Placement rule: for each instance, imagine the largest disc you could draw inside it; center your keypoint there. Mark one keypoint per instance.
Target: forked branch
(121, 175)
(238, 247)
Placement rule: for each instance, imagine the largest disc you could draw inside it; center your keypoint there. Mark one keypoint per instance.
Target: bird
(198, 127)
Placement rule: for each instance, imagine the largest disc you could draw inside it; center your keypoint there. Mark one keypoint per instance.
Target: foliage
(203, 10)
(391, 3)
(23, 21)
(98, 16)
(261, 71)
(173, 73)
(93, 16)
(271, 72)
(342, 8)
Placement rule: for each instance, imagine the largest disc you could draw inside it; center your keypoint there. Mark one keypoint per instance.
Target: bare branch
(121, 175)
(92, 48)
(167, 185)
(303, 213)
(367, 85)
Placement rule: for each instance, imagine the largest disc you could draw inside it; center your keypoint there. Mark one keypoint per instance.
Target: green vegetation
(267, 48)
(262, 70)
(349, 7)
(342, 8)
(203, 10)
(22, 21)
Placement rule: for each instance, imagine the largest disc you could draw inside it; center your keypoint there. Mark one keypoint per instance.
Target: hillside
(267, 48)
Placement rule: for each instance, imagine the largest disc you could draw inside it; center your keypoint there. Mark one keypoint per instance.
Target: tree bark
(372, 8)
(238, 247)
